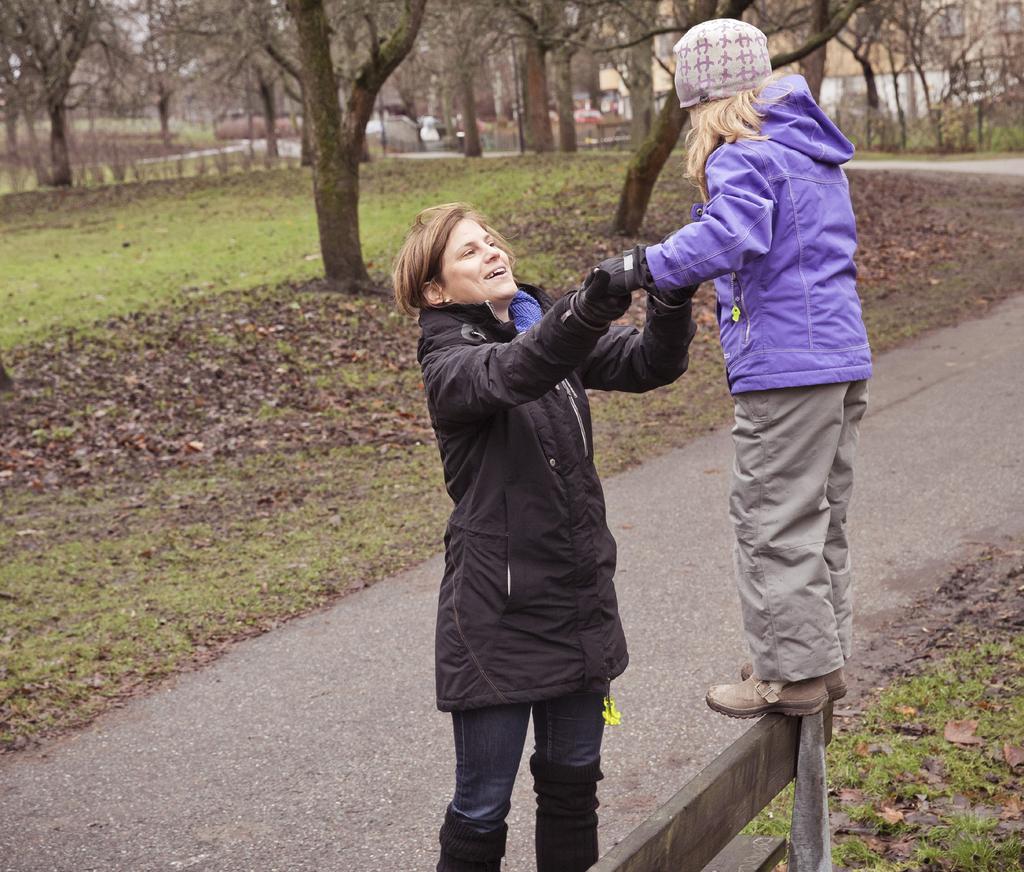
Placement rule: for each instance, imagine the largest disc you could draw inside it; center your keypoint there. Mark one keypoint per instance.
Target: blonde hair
(728, 119)
(419, 260)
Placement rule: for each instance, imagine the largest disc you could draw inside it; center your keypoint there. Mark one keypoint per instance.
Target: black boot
(464, 849)
(566, 815)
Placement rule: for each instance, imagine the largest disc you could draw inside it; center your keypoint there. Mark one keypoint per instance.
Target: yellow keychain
(612, 716)
(735, 312)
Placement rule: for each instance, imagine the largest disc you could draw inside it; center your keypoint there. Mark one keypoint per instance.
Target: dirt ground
(979, 601)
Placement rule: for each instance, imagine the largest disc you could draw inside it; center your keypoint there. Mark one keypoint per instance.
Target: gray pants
(792, 481)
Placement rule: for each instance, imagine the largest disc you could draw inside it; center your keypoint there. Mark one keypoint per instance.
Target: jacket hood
(793, 119)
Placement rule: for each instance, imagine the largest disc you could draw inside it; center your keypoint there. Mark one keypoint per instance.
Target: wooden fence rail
(697, 829)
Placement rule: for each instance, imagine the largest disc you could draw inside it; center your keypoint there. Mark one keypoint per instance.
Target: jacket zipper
(573, 396)
(738, 310)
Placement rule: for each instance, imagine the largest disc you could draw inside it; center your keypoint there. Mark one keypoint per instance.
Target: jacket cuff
(665, 275)
(573, 312)
(680, 306)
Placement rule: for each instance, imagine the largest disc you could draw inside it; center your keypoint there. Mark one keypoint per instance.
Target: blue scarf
(525, 311)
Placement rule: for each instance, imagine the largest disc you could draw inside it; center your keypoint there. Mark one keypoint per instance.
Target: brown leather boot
(835, 680)
(754, 697)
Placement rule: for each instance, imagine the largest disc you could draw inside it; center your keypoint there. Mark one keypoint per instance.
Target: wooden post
(690, 830)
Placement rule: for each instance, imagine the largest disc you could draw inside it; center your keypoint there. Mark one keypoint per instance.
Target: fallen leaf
(907, 710)
(961, 732)
(851, 795)
(891, 815)
(1013, 755)
(194, 445)
(1012, 809)
(901, 850)
(876, 845)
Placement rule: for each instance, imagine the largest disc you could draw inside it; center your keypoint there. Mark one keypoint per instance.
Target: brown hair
(418, 262)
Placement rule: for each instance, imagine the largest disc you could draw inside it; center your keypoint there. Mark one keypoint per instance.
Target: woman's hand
(598, 302)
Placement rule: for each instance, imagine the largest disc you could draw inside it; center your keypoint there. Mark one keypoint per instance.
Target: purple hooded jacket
(778, 236)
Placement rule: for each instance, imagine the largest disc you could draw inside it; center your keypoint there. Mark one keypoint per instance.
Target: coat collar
(442, 318)
(444, 325)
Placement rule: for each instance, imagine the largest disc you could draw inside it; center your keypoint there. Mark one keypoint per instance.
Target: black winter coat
(527, 608)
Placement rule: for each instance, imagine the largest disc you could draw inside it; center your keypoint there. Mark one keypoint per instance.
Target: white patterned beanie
(720, 58)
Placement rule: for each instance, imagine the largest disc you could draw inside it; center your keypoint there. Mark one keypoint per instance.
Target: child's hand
(597, 303)
(628, 271)
(675, 296)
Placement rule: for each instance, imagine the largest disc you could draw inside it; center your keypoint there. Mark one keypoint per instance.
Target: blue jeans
(489, 747)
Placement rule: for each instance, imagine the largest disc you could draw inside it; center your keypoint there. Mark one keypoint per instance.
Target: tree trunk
(813, 66)
(269, 112)
(538, 123)
(641, 91)
(869, 81)
(900, 114)
(42, 177)
(250, 128)
(563, 99)
(6, 382)
(644, 168)
(448, 112)
(471, 140)
(335, 166)
(305, 141)
(60, 159)
(11, 128)
(501, 107)
(163, 108)
(934, 113)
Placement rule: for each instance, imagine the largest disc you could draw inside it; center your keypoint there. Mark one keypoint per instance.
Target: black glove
(596, 304)
(674, 297)
(628, 270)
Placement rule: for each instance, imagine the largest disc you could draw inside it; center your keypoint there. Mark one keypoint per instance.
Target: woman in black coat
(527, 619)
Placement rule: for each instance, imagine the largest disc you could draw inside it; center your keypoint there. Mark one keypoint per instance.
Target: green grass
(983, 683)
(189, 561)
(146, 246)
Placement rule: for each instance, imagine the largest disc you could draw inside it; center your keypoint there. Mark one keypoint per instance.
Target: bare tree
(48, 37)
(546, 26)
(458, 63)
(648, 160)
(274, 34)
(339, 137)
(860, 37)
(635, 61)
(164, 54)
(265, 84)
(934, 37)
(813, 65)
(16, 93)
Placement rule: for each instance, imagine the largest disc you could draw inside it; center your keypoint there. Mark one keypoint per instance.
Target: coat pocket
(483, 582)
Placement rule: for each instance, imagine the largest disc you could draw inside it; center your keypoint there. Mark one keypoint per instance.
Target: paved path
(317, 746)
(1007, 166)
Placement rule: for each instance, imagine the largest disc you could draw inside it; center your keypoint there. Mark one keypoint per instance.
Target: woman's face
(475, 270)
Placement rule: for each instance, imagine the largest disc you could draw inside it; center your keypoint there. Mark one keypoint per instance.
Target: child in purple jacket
(777, 234)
